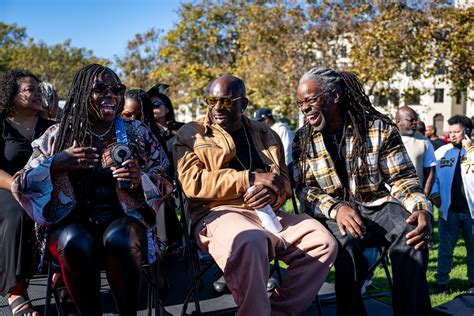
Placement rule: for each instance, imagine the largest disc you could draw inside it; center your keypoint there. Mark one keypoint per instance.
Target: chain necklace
(27, 132)
(250, 153)
(102, 136)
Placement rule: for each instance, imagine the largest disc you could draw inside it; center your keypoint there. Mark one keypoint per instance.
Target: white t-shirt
(421, 153)
(286, 136)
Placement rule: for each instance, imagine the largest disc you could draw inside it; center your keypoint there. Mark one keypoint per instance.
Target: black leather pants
(83, 248)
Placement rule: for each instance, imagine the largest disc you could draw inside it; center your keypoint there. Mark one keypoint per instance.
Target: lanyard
(120, 130)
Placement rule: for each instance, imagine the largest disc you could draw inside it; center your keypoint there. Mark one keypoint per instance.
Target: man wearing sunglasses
(218, 159)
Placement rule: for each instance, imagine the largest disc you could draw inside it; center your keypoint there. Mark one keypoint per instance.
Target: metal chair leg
(49, 285)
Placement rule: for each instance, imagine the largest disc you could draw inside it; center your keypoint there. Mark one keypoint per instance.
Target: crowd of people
(93, 189)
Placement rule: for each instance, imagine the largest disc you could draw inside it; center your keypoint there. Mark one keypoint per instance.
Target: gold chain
(250, 152)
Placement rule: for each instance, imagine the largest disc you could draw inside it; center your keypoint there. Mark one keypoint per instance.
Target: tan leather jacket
(202, 154)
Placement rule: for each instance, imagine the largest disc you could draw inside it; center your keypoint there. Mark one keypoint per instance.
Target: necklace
(28, 132)
(250, 153)
(102, 136)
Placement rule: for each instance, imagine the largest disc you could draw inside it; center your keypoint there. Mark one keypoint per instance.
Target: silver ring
(79, 161)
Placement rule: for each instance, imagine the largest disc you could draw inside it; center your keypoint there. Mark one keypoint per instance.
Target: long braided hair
(142, 97)
(75, 123)
(358, 112)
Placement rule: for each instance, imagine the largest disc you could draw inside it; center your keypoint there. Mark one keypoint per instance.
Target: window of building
(344, 52)
(380, 99)
(438, 122)
(458, 97)
(440, 67)
(412, 96)
(439, 96)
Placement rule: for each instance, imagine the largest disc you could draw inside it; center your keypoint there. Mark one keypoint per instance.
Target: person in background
(265, 116)
(419, 148)
(453, 194)
(434, 139)
(420, 127)
(444, 137)
(20, 123)
(133, 107)
(50, 101)
(165, 119)
(138, 106)
(93, 184)
(344, 156)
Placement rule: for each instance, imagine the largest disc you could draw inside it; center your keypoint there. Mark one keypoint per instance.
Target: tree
(271, 43)
(56, 64)
(413, 40)
(11, 37)
(203, 45)
(140, 59)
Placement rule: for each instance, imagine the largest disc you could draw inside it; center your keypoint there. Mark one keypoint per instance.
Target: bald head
(406, 119)
(227, 102)
(228, 83)
(405, 110)
(431, 131)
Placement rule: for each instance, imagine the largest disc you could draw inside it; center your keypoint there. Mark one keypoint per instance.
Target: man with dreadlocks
(346, 157)
(94, 182)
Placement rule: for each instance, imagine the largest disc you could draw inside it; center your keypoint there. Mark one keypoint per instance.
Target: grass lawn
(458, 277)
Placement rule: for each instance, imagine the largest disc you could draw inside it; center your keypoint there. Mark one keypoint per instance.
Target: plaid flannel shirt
(391, 176)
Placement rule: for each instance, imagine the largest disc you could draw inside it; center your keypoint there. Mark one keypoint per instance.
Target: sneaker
(441, 289)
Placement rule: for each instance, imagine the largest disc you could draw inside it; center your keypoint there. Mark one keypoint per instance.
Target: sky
(104, 26)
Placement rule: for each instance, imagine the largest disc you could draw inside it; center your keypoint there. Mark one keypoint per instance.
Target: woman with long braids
(346, 155)
(20, 123)
(93, 183)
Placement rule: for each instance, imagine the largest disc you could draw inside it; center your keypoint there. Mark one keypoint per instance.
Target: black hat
(158, 88)
(262, 113)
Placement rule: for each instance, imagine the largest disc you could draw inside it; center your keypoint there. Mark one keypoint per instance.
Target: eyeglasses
(102, 87)
(226, 102)
(311, 100)
(157, 103)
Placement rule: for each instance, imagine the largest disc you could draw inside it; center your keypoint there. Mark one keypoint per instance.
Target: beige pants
(243, 249)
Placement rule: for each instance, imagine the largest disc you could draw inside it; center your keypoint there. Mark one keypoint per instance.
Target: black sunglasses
(157, 103)
(102, 87)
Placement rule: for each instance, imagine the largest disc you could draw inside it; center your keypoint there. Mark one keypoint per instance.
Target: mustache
(312, 112)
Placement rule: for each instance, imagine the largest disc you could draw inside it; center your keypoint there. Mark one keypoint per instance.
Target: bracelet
(334, 209)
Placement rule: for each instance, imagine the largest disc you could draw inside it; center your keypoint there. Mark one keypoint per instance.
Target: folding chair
(196, 258)
(150, 274)
(51, 288)
(381, 259)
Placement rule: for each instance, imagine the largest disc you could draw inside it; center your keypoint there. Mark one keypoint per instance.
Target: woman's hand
(128, 172)
(75, 158)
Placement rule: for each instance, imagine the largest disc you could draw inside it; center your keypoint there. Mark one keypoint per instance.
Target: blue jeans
(448, 232)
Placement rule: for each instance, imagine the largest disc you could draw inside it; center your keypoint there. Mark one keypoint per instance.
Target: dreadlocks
(359, 113)
(75, 124)
(142, 97)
